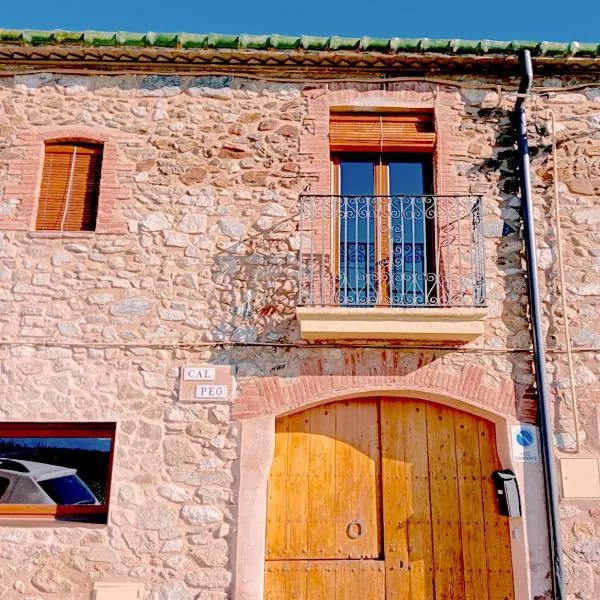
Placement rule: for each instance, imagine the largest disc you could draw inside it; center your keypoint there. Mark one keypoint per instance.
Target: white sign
(524, 443)
(199, 373)
(215, 392)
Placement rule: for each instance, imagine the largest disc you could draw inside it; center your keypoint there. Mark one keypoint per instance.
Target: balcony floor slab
(445, 325)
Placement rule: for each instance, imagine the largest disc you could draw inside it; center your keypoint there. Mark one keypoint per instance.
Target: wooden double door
(385, 499)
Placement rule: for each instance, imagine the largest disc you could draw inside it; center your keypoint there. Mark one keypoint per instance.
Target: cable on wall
(563, 287)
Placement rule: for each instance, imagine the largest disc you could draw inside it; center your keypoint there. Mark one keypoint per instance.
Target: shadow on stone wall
(258, 278)
(506, 292)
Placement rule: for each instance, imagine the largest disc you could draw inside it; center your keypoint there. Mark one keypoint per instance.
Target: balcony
(391, 268)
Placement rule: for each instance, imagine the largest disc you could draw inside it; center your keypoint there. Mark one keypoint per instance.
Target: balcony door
(382, 230)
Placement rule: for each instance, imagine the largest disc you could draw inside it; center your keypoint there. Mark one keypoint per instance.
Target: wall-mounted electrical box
(580, 477)
(507, 492)
(116, 590)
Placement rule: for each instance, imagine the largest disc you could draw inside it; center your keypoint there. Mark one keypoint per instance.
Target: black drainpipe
(539, 347)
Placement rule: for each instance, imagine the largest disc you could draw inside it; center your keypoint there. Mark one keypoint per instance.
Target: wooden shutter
(70, 184)
(385, 132)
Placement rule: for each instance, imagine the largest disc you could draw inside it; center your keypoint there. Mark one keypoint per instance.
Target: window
(384, 224)
(70, 185)
(56, 470)
(382, 175)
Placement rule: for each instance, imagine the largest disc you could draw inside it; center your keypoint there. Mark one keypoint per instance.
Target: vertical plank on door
(295, 581)
(322, 483)
(360, 580)
(471, 506)
(276, 541)
(297, 488)
(420, 550)
(371, 581)
(368, 473)
(395, 499)
(445, 513)
(320, 582)
(497, 530)
(275, 581)
(357, 478)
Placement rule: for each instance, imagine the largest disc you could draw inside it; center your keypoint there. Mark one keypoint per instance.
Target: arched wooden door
(385, 499)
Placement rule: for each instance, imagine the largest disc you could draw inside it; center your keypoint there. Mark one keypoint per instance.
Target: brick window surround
(449, 146)
(25, 177)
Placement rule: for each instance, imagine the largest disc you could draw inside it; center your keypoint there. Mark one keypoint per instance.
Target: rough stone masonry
(195, 261)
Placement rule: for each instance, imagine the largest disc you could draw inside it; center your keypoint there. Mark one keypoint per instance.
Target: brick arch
(385, 372)
(29, 144)
(345, 373)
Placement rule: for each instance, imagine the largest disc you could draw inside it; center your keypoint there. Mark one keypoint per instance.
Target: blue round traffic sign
(524, 438)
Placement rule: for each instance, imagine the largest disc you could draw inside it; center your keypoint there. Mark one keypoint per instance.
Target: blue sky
(509, 19)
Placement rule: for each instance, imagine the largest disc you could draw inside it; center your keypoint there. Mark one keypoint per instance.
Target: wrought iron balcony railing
(391, 251)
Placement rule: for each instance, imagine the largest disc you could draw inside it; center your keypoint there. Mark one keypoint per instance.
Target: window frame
(381, 187)
(92, 147)
(96, 514)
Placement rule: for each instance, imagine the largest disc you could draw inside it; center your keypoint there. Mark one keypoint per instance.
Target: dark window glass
(385, 227)
(3, 486)
(68, 490)
(407, 176)
(357, 178)
(357, 233)
(409, 180)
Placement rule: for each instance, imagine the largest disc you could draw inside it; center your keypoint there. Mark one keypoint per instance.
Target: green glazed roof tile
(343, 43)
(100, 38)
(8, 35)
(312, 42)
(192, 40)
(38, 37)
(163, 40)
(466, 46)
(254, 42)
(495, 47)
(554, 49)
(67, 37)
(405, 44)
(124, 38)
(308, 43)
(533, 47)
(216, 40)
(283, 42)
(577, 49)
(374, 44)
(434, 45)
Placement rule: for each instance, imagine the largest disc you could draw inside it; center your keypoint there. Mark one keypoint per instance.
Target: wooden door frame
(257, 445)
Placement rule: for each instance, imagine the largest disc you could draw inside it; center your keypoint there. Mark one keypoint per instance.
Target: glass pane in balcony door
(407, 184)
(357, 282)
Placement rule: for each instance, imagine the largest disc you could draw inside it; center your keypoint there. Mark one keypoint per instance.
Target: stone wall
(199, 265)
(578, 155)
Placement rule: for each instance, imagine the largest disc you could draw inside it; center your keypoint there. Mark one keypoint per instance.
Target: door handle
(355, 529)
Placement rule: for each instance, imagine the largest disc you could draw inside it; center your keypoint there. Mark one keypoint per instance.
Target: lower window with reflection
(58, 470)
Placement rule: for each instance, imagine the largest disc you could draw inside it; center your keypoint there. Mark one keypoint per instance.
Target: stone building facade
(194, 261)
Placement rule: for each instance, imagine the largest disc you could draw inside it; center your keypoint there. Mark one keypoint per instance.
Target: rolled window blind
(70, 185)
(369, 132)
